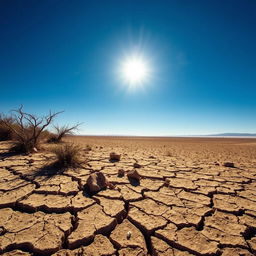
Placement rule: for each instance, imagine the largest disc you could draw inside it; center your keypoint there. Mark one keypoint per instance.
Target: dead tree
(28, 129)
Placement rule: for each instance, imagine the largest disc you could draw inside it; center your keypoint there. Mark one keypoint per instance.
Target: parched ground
(187, 202)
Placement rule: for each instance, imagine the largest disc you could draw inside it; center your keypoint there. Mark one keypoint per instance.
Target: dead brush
(61, 132)
(6, 132)
(67, 155)
(27, 129)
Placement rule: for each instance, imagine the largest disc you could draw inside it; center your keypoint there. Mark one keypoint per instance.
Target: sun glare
(135, 70)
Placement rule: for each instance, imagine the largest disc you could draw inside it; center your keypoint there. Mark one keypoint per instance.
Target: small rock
(133, 175)
(229, 164)
(166, 182)
(96, 182)
(136, 165)
(129, 234)
(2, 230)
(111, 185)
(30, 161)
(120, 173)
(114, 157)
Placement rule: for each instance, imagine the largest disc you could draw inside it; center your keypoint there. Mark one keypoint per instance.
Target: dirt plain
(186, 203)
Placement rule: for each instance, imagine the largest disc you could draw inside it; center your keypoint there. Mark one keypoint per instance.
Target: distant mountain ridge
(233, 134)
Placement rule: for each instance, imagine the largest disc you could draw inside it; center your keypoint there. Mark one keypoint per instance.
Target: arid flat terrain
(186, 202)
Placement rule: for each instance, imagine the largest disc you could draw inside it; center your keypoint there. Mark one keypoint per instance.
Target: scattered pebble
(229, 164)
(129, 234)
(121, 173)
(114, 157)
(133, 175)
(136, 165)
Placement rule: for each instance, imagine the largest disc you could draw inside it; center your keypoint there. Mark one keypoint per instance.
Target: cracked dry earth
(187, 202)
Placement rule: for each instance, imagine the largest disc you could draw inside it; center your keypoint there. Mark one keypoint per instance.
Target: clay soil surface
(186, 202)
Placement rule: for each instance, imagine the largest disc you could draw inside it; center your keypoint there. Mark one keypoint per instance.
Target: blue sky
(65, 55)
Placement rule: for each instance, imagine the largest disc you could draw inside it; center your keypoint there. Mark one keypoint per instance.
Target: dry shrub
(27, 129)
(21, 146)
(68, 155)
(7, 126)
(26, 143)
(45, 135)
(61, 132)
(5, 132)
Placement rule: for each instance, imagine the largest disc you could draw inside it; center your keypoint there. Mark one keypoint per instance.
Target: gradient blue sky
(64, 55)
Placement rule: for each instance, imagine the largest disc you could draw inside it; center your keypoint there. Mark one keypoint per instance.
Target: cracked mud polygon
(186, 203)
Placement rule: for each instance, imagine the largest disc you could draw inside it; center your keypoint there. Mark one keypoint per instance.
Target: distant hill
(234, 134)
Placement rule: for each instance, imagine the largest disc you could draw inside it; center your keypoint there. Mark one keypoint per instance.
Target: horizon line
(170, 136)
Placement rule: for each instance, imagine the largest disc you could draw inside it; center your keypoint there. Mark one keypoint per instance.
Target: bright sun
(135, 70)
